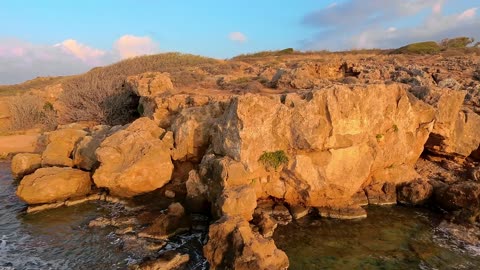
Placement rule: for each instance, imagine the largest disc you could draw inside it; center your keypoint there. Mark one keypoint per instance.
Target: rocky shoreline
(252, 161)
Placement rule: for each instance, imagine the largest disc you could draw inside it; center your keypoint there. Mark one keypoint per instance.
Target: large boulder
(134, 160)
(233, 245)
(60, 147)
(48, 185)
(336, 140)
(25, 163)
(171, 222)
(417, 192)
(84, 154)
(150, 83)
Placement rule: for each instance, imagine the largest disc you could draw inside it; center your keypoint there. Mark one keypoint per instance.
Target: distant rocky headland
(253, 142)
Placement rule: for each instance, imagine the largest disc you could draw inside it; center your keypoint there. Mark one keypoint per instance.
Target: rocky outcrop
(134, 160)
(150, 83)
(25, 163)
(307, 75)
(172, 222)
(320, 130)
(84, 155)
(48, 185)
(233, 245)
(417, 192)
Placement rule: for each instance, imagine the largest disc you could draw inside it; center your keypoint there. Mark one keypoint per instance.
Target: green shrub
(273, 159)
(427, 47)
(458, 42)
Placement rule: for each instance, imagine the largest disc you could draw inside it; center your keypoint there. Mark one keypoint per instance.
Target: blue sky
(40, 38)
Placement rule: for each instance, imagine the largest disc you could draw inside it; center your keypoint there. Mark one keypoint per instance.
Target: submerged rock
(172, 222)
(168, 261)
(48, 185)
(347, 212)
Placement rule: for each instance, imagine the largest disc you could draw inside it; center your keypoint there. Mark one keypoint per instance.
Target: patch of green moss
(273, 159)
(427, 47)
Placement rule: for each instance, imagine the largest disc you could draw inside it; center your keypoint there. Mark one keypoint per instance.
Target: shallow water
(390, 238)
(61, 239)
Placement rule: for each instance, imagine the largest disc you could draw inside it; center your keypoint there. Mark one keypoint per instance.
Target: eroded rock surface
(25, 163)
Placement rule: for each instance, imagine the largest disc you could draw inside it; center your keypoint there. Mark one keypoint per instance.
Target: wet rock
(54, 184)
(267, 225)
(417, 192)
(134, 160)
(169, 194)
(168, 261)
(475, 173)
(360, 198)
(281, 214)
(381, 194)
(462, 195)
(60, 147)
(25, 163)
(244, 250)
(299, 211)
(172, 222)
(348, 212)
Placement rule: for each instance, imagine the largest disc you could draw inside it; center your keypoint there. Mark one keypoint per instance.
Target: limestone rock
(47, 185)
(84, 154)
(25, 163)
(60, 147)
(299, 211)
(196, 200)
(380, 129)
(168, 224)
(462, 195)
(150, 83)
(267, 225)
(381, 194)
(240, 201)
(192, 128)
(415, 193)
(246, 250)
(347, 212)
(134, 160)
(168, 261)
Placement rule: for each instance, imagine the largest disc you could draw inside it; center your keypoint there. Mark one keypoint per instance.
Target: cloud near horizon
(373, 24)
(21, 60)
(237, 37)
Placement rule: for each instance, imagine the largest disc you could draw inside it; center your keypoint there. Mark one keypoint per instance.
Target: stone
(347, 212)
(196, 200)
(172, 222)
(417, 192)
(150, 83)
(458, 196)
(450, 83)
(84, 154)
(267, 225)
(54, 184)
(134, 160)
(319, 131)
(168, 261)
(299, 211)
(246, 250)
(238, 201)
(61, 144)
(169, 194)
(281, 214)
(25, 163)
(381, 194)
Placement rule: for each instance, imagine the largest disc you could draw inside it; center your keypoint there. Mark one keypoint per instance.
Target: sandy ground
(18, 143)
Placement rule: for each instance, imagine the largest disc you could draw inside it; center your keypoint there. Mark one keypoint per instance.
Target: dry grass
(37, 83)
(29, 112)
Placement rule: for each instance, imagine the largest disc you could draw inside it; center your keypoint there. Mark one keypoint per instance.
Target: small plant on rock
(273, 159)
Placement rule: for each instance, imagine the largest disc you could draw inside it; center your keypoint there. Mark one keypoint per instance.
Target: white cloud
(468, 14)
(81, 51)
(238, 37)
(130, 46)
(21, 60)
(363, 24)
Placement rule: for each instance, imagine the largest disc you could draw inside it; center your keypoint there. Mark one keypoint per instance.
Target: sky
(55, 37)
